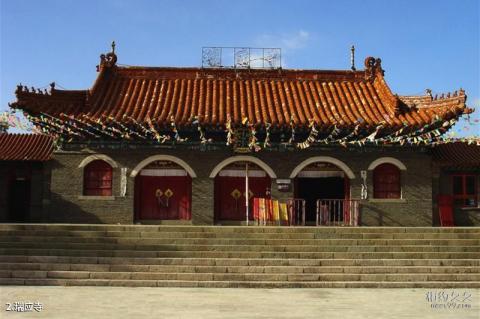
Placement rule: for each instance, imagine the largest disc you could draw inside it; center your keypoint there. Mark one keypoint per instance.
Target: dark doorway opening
(19, 201)
(312, 189)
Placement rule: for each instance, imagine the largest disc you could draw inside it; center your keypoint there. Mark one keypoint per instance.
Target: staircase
(235, 256)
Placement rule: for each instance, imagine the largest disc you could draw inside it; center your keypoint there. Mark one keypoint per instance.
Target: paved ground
(197, 303)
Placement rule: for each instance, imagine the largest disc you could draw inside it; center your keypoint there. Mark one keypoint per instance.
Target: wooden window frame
(101, 185)
(464, 195)
(382, 193)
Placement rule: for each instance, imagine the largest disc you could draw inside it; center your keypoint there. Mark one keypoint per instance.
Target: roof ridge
(132, 67)
(442, 96)
(236, 74)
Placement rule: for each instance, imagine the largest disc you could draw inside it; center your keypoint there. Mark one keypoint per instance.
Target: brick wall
(66, 203)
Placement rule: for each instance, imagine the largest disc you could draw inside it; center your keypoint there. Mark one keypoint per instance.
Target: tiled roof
(457, 154)
(342, 98)
(25, 147)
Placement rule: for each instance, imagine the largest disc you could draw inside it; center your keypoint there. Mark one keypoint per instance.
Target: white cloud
(296, 41)
(286, 41)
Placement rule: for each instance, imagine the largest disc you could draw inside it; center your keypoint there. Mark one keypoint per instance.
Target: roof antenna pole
(352, 58)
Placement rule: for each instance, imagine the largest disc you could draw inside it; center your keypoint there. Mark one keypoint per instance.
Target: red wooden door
(445, 210)
(163, 197)
(230, 196)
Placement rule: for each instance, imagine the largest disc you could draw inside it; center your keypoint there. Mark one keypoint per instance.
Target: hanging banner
(123, 182)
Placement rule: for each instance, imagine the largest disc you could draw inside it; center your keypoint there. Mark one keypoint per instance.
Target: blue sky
(422, 44)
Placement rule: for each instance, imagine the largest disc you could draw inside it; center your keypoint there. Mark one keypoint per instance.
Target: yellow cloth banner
(276, 211)
(283, 212)
(261, 209)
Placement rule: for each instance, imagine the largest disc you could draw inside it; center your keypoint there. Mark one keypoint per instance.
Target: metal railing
(338, 212)
(296, 211)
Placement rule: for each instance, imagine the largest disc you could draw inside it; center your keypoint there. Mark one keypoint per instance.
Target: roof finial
(352, 58)
(372, 67)
(428, 92)
(107, 60)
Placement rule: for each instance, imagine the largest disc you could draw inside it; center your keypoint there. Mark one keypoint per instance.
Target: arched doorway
(320, 180)
(231, 182)
(163, 192)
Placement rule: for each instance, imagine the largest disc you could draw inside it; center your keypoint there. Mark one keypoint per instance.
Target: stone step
(236, 254)
(247, 235)
(239, 284)
(238, 229)
(240, 261)
(240, 241)
(238, 269)
(240, 248)
(232, 256)
(59, 274)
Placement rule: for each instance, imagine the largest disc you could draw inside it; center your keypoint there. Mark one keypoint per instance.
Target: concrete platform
(212, 303)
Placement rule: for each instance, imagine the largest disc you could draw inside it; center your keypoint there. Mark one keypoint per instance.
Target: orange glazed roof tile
(25, 147)
(161, 94)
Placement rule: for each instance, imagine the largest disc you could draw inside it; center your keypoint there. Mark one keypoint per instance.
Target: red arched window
(386, 181)
(97, 179)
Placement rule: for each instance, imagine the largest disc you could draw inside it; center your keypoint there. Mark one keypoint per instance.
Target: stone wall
(68, 205)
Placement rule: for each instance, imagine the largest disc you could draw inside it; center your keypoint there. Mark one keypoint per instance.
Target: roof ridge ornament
(38, 91)
(428, 92)
(372, 67)
(352, 58)
(108, 60)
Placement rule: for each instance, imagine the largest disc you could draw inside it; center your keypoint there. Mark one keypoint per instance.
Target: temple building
(24, 185)
(199, 145)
